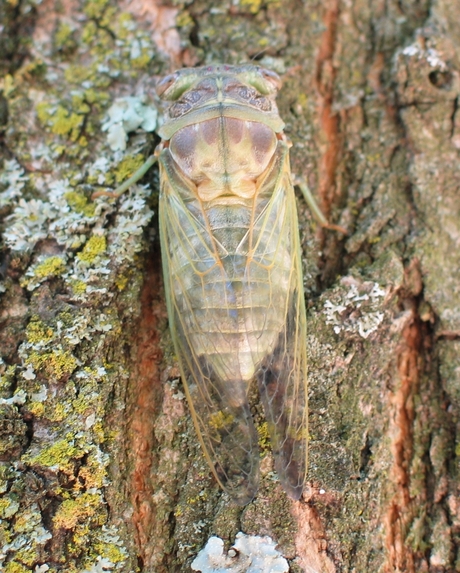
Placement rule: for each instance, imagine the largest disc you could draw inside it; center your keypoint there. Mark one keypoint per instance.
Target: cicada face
(231, 256)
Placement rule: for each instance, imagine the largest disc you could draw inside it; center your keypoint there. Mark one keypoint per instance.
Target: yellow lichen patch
(96, 8)
(52, 266)
(80, 204)
(57, 413)
(220, 420)
(38, 332)
(8, 507)
(184, 19)
(72, 511)
(121, 282)
(94, 247)
(252, 5)
(55, 364)
(27, 555)
(142, 61)
(63, 39)
(60, 120)
(78, 74)
(128, 167)
(37, 409)
(110, 551)
(92, 474)
(264, 437)
(15, 567)
(78, 287)
(60, 454)
(99, 433)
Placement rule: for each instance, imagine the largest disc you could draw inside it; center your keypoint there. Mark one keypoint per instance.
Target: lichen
(59, 455)
(14, 180)
(264, 437)
(38, 332)
(94, 247)
(359, 312)
(47, 267)
(15, 567)
(250, 554)
(73, 511)
(126, 115)
(75, 255)
(80, 203)
(127, 167)
(55, 364)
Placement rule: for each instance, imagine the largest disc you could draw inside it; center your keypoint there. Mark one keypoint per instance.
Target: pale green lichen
(126, 115)
(63, 37)
(13, 180)
(8, 507)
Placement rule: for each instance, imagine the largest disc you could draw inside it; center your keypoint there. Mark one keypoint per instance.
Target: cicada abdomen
(232, 268)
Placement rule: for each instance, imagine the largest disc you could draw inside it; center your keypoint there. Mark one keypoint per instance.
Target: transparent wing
(202, 313)
(269, 317)
(274, 258)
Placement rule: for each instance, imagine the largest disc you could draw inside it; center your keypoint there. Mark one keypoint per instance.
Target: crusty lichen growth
(78, 275)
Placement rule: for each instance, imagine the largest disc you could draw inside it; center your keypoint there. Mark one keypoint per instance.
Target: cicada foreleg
(137, 175)
(314, 207)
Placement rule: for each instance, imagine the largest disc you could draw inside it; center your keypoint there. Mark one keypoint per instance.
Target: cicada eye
(264, 81)
(272, 78)
(173, 86)
(165, 83)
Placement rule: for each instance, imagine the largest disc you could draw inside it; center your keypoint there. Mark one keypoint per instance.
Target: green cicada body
(232, 268)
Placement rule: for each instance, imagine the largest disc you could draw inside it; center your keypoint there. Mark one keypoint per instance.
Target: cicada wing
(217, 395)
(282, 374)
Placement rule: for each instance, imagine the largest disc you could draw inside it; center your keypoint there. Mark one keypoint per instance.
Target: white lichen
(431, 55)
(102, 564)
(125, 115)
(250, 554)
(19, 398)
(28, 226)
(359, 311)
(13, 178)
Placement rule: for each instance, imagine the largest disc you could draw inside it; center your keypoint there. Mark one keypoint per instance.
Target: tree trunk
(101, 468)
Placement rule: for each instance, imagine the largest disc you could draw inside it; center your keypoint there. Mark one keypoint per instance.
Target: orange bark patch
(310, 541)
(330, 121)
(146, 391)
(401, 559)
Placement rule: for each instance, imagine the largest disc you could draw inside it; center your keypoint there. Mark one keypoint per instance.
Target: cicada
(232, 270)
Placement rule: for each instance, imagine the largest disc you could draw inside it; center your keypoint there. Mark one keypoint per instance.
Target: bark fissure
(146, 395)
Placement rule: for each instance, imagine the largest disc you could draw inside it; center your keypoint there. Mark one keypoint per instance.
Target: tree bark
(100, 466)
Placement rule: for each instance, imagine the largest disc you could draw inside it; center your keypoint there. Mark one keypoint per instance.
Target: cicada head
(203, 91)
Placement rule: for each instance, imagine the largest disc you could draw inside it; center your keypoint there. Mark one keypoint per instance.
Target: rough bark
(100, 466)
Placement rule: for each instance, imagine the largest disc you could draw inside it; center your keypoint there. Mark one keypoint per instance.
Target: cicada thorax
(232, 270)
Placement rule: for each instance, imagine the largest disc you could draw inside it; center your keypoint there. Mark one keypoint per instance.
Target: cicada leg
(314, 207)
(127, 184)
